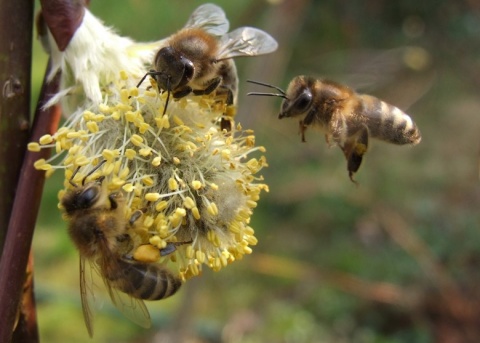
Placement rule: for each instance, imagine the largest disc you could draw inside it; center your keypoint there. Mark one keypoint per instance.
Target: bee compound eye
(303, 101)
(87, 197)
(188, 70)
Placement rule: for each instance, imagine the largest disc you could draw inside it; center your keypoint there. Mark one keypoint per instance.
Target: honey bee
(198, 58)
(98, 228)
(347, 118)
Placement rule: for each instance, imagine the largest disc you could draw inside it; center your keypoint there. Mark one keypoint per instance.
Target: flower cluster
(195, 184)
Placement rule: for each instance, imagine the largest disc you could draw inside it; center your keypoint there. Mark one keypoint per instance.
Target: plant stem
(23, 216)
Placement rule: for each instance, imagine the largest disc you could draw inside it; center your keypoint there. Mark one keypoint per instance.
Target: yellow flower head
(195, 185)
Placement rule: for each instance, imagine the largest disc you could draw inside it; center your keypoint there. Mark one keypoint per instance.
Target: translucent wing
(133, 308)
(246, 41)
(86, 295)
(210, 18)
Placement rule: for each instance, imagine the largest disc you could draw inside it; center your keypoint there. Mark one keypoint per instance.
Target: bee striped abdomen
(389, 123)
(146, 281)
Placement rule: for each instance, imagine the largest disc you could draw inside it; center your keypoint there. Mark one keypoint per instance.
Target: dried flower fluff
(195, 184)
(92, 60)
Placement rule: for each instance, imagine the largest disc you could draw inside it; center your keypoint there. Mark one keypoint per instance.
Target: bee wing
(132, 308)
(210, 18)
(246, 41)
(87, 295)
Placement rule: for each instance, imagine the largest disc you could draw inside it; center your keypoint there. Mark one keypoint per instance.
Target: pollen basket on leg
(189, 187)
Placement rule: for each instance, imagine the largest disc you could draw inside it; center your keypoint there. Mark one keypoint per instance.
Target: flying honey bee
(98, 228)
(347, 118)
(198, 58)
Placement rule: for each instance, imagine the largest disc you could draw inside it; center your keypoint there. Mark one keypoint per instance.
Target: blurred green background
(395, 259)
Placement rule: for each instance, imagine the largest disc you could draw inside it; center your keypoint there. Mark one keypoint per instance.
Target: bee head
(299, 98)
(173, 69)
(82, 198)
(85, 196)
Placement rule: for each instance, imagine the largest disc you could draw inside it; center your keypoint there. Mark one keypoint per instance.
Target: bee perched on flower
(191, 182)
(146, 187)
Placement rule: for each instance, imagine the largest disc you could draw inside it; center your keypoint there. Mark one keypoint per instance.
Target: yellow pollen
(148, 221)
(136, 140)
(143, 127)
(131, 116)
(189, 252)
(124, 96)
(146, 253)
(156, 161)
(188, 202)
(252, 240)
(128, 187)
(178, 121)
(148, 181)
(152, 197)
(200, 256)
(145, 152)
(130, 153)
(196, 213)
(212, 209)
(150, 93)
(117, 182)
(45, 139)
(172, 184)
(110, 154)
(155, 240)
(124, 173)
(123, 75)
(133, 92)
(193, 269)
(180, 212)
(82, 161)
(34, 147)
(115, 115)
(196, 185)
(162, 205)
(104, 108)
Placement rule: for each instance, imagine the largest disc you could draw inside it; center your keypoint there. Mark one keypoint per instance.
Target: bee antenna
(168, 95)
(269, 94)
(151, 72)
(93, 171)
(73, 175)
(282, 92)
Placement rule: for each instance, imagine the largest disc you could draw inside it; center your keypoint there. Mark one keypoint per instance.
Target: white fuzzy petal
(93, 59)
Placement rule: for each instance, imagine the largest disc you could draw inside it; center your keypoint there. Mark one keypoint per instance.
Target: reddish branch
(18, 240)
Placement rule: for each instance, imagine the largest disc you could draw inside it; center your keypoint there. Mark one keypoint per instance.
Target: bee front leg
(303, 129)
(212, 85)
(182, 92)
(171, 248)
(114, 199)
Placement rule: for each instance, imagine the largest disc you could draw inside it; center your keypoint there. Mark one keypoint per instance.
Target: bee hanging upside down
(347, 118)
(198, 58)
(98, 228)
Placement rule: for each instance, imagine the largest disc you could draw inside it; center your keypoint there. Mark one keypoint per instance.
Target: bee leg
(182, 92)
(303, 129)
(354, 149)
(210, 88)
(136, 216)
(226, 122)
(114, 199)
(171, 247)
